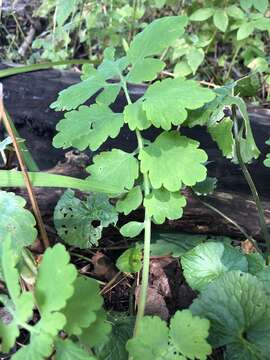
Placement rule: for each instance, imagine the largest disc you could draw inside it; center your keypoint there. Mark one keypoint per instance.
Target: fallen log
(28, 96)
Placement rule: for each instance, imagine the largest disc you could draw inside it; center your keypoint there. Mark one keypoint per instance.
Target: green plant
(67, 302)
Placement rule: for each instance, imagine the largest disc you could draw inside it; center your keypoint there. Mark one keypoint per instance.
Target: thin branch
(43, 233)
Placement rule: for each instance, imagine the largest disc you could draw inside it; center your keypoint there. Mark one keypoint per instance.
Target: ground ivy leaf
(76, 95)
(80, 309)
(239, 311)
(68, 350)
(130, 261)
(145, 70)
(135, 116)
(221, 133)
(88, 126)
(114, 168)
(156, 37)
(162, 204)
(151, 340)
(189, 333)
(131, 201)
(207, 262)
(74, 218)
(16, 221)
(173, 160)
(97, 333)
(52, 292)
(132, 229)
(165, 102)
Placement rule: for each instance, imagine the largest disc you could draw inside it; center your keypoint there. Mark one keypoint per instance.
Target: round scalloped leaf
(188, 335)
(173, 160)
(166, 102)
(131, 201)
(80, 310)
(151, 341)
(208, 261)
(75, 219)
(16, 221)
(54, 284)
(135, 117)
(162, 204)
(130, 261)
(69, 350)
(87, 126)
(239, 312)
(115, 168)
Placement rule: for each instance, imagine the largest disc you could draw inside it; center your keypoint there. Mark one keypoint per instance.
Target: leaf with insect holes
(132, 229)
(166, 102)
(239, 311)
(52, 292)
(161, 204)
(114, 168)
(131, 201)
(16, 221)
(184, 339)
(221, 133)
(135, 116)
(80, 310)
(69, 350)
(172, 161)
(87, 126)
(130, 261)
(80, 222)
(207, 262)
(97, 333)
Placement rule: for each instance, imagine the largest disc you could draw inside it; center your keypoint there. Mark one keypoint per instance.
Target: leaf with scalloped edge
(239, 311)
(131, 201)
(130, 261)
(69, 350)
(184, 339)
(145, 70)
(87, 126)
(52, 292)
(173, 160)
(16, 221)
(221, 133)
(166, 102)
(114, 168)
(74, 219)
(161, 204)
(80, 309)
(132, 229)
(97, 333)
(135, 116)
(207, 262)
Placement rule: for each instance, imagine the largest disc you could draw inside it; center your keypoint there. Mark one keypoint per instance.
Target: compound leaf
(135, 116)
(188, 334)
(173, 160)
(75, 219)
(16, 221)
(239, 311)
(131, 201)
(114, 168)
(165, 102)
(162, 204)
(87, 126)
(54, 284)
(206, 262)
(80, 310)
(145, 70)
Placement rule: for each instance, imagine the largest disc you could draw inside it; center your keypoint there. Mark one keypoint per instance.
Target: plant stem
(147, 233)
(232, 63)
(250, 182)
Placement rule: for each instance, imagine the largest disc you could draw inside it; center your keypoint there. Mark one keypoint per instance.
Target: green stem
(232, 63)
(250, 182)
(147, 234)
